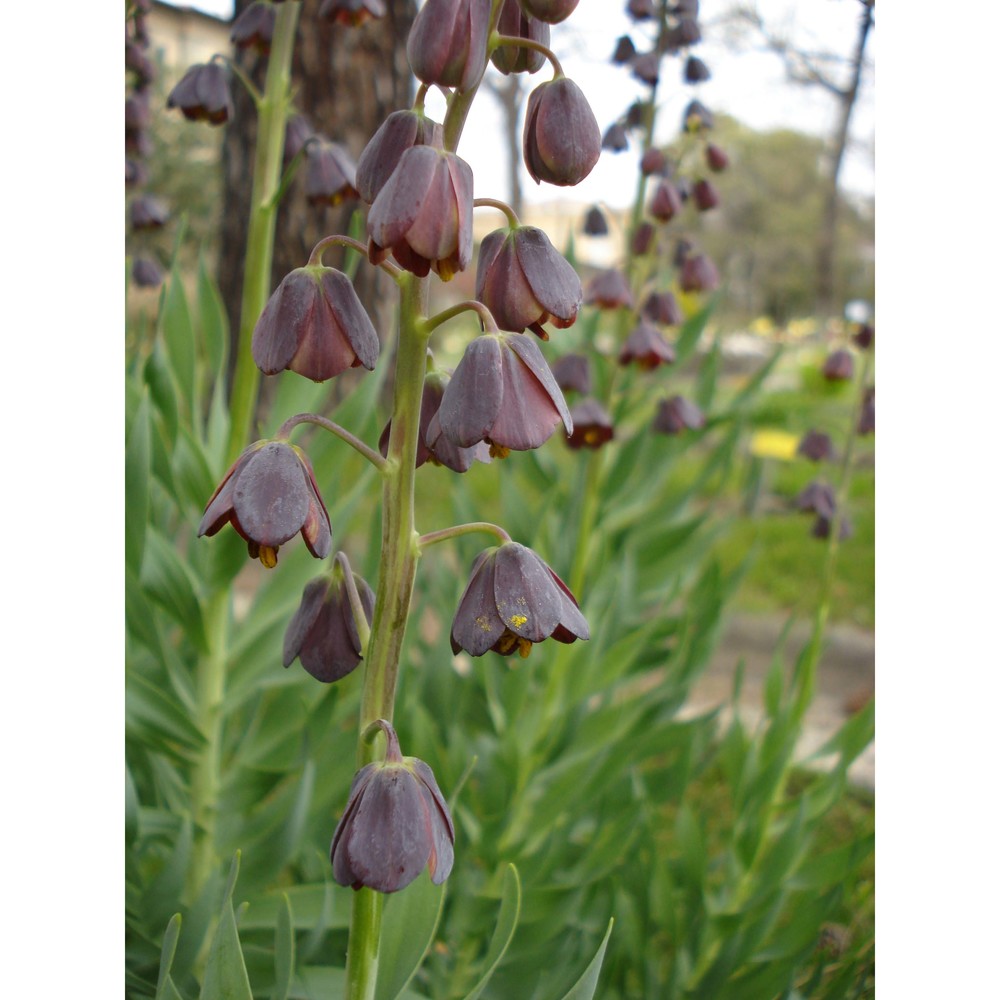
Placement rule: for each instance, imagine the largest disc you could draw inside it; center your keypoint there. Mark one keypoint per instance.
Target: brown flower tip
(148, 212)
(395, 825)
(146, 273)
(678, 414)
(865, 336)
(269, 495)
(592, 427)
(513, 600)
(562, 140)
(323, 634)
(817, 498)
(314, 324)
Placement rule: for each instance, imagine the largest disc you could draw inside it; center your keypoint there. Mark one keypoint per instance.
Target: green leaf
(586, 985)
(167, 581)
(503, 934)
(408, 928)
(137, 473)
(691, 331)
(225, 971)
(177, 332)
(212, 321)
(163, 389)
(284, 950)
(165, 989)
(131, 808)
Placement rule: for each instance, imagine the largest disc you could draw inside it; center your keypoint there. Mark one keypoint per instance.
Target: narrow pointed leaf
(503, 934)
(137, 473)
(586, 985)
(284, 950)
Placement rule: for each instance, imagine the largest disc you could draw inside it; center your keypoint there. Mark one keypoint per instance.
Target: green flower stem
(345, 435)
(316, 257)
(512, 218)
(462, 529)
(272, 116)
(470, 305)
(513, 41)
(392, 600)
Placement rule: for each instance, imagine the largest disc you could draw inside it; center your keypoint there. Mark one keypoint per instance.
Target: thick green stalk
(272, 113)
(392, 600)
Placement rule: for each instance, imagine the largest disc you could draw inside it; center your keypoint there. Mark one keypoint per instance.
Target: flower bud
(513, 600)
(615, 138)
(146, 273)
(314, 324)
(323, 634)
(865, 336)
(705, 195)
(330, 173)
(551, 11)
(572, 373)
(654, 162)
(646, 68)
(254, 28)
(684, 34)
(447, 42)
(592, 426)
(351, 13)
(677, 414)
(148, 212)
(647, 348)
(662, 308)
(203, 94)
(817, 498)
(594, 223)
(137, 115)
(839, 367)
(399, 132)
(716, 159)
(816, 446)
(608, 290)
(562, 140)
(696, 71)
(514, 23)
(698, 274)
(624, 51)
(644, 239)
(423, 214)
(524, 281)
(666, 201)
(697, 117)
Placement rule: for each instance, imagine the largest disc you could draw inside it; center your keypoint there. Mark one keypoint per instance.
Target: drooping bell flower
(513, 600)
(594, 222)
(562, 140)
(608, 290)
(865, 336)
(572, 373)
(615, 138)
(685, 33)
(817, 498)
(395, 825)
(551, 11)
(351, 13)
(640, 10)
(696, 71)
(866, 420)
(839, 367)
(644, 239)
(716, 158)
(432, 445)
(697, 117)
(592, 427)
(398, 133)
(677, 414)
(654, 162)
(423, 214)
(662, 308)
(269, 496)
(148, 212)
(447, 42)
(515, 23)
(137, 113)
(323, 634)
(705, 195)
(666, 201)
(203, 94)
(624, 50)
(314, 324)
(822, 525)
(146, 273)
(298, 131)
(698, 274)
(815, 445)
(330, 173)
(647, 348)
(254, 28)
(646, 68)
(502, 393)
(524, 281)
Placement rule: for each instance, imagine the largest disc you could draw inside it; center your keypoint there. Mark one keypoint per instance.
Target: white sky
(750, 86)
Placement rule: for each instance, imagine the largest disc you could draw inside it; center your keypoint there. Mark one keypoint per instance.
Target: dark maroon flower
(866, 421)
(524, 281)
(637, 114)
(677, 414)
(682, 250)
(666, 201)
(137, 114)
(146, 273)
(139, 63)
(351, 13)
(624, 50)
(270, 495)
(323, 633)
(654, 161)
(515, 23)
(592, 426)
(551, 11)
(503, 393)
(646, 68)
(254, 28)
(423, 214)
(640, 10)
(696, 71)
(298, 132)
(138, 142)
(865, 336)
(821, 528)
(562, 140)
(816, 446)
(705, 195)
(330, 173)
(685, 33)
(817, 498)
(432, 445)
(697, 117)
(572, 373)
(662, 308)
(513, 600)
(396, 824)
(447, 42)
(716, 159)
(399, 132)
(608, 290)
(203, 94)
(314, 324)
(698, 274)
(644, 239)
(615, 138)
(594, 223)
(148, 212)
(839, 367)
(647, 348)
(135, 173)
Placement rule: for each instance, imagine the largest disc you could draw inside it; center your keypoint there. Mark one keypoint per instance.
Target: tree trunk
(826, 250)
(346, 81)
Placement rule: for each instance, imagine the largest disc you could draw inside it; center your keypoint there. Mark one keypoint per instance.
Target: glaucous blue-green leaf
(510, 910)
(177, 332)
(586, 986)
(225, 971)
(165, 988)
(212, 322)
(166, 579)
(137, 472)
(284, 950)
